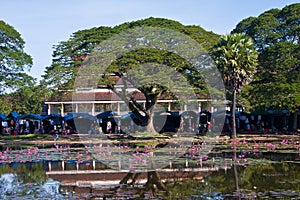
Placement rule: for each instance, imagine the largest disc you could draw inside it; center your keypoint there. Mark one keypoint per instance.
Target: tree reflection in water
(266, 180)
(26, 173)
(258, 174)
(19, 181)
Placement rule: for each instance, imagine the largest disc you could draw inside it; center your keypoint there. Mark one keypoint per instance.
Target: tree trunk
(154, 180)
(233, 129)
(295, 121)
(126, 178)
(236, 176)
(150, 126)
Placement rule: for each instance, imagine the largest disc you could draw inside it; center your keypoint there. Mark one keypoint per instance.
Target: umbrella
(205, 112)
(52, 116)
(128, 115)
(55, 118)
(2, 116)
(78, 115)
(168, 113)
(189, 114)
(106, 114)
(30, 117)
(12, 116)
(260, 112)
(241, 113)
(278, 112)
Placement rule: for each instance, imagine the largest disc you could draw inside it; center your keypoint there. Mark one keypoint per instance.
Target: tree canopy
(69, 55)
(276, 37)
(236, 59)
(18, 90)
(14, 62)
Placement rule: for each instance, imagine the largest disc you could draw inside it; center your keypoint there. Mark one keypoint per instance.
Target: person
(227, 128)
(15, 132)
(5, 131)
(208, 127)
(67, 129)
(109, 127)
(56, 136)
(120, 131)
(21, 132)
(201, 129)
(94, 129)
(31, 127)
(42, 128)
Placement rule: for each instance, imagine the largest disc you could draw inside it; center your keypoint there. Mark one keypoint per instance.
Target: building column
(62, 109)
(185, 107)
(118, 108)
(93, 109)
(199, 106)
(76, 107)
(49, 109)
(169, 106)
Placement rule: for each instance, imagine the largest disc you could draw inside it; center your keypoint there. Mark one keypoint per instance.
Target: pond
(236, 170)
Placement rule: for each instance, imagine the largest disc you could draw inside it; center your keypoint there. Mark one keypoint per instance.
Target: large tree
(18, 90)
(14, 62)
(276, 36)
(236, 59)
(70, 56)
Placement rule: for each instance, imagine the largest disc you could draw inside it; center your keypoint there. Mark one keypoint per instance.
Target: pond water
(235, 171)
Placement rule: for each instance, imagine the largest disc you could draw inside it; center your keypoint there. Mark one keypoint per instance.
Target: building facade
(95, 101)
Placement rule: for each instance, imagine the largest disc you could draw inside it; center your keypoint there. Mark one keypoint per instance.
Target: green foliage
(26, 99)
(69, 55)
(148, 134)
(276, 36)
(13, 60)
(24, 137)
(34, 173)
(18, 90)
(82, 51)
(129, 62)
(5, 104)
(236, 59)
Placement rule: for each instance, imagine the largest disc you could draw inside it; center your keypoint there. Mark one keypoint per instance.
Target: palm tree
(236, 58)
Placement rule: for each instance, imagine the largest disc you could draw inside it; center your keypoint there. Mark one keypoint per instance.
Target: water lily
(284, 142)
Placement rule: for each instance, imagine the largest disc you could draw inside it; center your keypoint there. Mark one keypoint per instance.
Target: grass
(148, 135)
(24, 137)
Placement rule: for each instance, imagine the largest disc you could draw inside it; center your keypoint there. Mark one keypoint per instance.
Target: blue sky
(44, 23)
